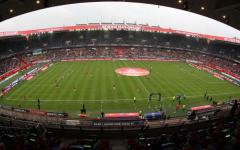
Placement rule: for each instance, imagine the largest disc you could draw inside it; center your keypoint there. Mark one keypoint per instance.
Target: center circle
(130, 71)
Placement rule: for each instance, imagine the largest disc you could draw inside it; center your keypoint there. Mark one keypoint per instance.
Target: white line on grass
(157, 79)
(141, 82)
(135, 107)
(92, 100)
(146, 90)
(192, 74)
(101, 106)
(110, 100)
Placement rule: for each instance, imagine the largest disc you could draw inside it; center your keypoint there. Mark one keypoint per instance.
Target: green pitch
(66, 86)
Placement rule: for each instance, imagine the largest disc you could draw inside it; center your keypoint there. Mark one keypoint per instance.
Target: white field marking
(149, 103)
(49, 71)
(40, 72)
(146, 90)
(216, 82)
(92, 100)
(159, 81)
(210, 82)
(66, 73)
(135, 107)
(193, 75)
(141, 82)
(110, 100)
(41, 85)
(101, 106)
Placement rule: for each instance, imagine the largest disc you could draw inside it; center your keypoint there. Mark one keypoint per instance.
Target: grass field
(65, 86)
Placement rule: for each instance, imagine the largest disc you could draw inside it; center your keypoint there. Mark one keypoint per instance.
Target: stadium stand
(214, 134)
(19, 130)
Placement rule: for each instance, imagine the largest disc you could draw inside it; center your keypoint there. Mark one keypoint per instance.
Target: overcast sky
(118, 12)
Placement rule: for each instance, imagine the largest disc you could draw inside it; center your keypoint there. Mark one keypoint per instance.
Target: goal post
(159, 95)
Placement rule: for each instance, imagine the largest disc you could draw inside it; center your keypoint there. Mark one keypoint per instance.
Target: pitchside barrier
(11, 72)
(27, 76)
(121, 115)
(33, 114)
(111, 121)
(143, 59)
(221, 74)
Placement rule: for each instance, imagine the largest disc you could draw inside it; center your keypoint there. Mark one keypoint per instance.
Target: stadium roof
(226, 11)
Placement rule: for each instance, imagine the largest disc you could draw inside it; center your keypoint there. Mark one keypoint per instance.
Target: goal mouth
(130, 71)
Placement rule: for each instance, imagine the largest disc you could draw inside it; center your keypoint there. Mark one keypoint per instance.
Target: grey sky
(118, 12)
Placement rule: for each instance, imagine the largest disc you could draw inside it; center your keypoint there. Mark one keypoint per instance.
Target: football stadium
(109, 85)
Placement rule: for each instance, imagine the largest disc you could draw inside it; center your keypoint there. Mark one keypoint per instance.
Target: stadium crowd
(73, 39)
(8, 64)
(217, 136)
(120, 52)
(117, 44)
(58, 46)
